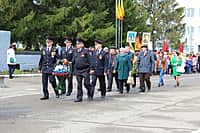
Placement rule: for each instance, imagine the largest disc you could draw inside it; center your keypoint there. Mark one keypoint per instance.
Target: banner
(146, 37)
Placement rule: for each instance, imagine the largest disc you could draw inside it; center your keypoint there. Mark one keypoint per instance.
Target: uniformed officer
(82, 65)
(47, 63)
(67, 54)
(99, 67)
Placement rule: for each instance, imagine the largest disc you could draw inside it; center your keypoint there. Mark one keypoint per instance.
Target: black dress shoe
(78, 100)
(128, 90)
(44, 98)
(109, 90)
(103, 97)
(133, 86)
(57, 96)
(141, 91)
(68, 94)
(90, 98)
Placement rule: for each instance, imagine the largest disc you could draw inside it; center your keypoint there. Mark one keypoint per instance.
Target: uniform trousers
(102, 83)
(79, 78)
(70, 83)
(52, 80)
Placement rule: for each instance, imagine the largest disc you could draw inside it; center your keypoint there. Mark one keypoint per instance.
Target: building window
(199, 30)
(199, 12)
(190, 30)
(189, 12)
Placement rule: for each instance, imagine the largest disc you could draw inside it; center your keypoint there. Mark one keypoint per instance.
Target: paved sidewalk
(163, 110)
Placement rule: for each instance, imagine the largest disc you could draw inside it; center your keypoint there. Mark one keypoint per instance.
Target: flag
(137, 43)
(120, 10)
(180, 47)
(165, 46)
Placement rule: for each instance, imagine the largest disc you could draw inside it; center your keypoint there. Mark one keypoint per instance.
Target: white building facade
(192, 28)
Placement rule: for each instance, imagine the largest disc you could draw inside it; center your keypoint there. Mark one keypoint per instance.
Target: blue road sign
(131, 36)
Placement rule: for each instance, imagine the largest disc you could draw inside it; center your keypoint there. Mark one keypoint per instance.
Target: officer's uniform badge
(70, 51)
(100, 57)
(82, 55)
(43, 52)
(53, 53)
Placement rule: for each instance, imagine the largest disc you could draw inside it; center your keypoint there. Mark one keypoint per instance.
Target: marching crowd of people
(105, 64)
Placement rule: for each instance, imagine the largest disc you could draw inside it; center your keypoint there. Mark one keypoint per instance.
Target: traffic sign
(131, 36)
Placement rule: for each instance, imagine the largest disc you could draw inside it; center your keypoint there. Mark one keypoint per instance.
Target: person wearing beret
(49, 56)
(99, 67)
(67, 55)
(145, 67)
(82, 64)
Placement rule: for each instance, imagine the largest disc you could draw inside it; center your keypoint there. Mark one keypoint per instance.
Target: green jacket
(123, 66)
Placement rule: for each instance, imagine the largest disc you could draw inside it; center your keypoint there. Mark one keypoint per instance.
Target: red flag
(180, 47)
(165, 46)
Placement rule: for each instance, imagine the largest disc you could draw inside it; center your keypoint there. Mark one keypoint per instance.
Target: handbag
(17, 66)
(181, 69)
(130, 80)
(12, 60)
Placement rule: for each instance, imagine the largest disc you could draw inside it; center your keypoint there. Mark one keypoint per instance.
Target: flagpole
(118, 42)
(116, 25)
(121, 32)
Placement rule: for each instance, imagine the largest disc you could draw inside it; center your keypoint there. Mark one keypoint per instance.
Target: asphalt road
(163, 110)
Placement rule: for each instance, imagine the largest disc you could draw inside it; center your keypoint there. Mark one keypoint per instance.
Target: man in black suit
(99, 66)
(82, 65)
(67, 55)
(47, 64)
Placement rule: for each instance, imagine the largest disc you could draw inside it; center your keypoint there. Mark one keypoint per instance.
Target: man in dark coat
(111, 63)
(82, 64)
(99, 68)
(47, 64)
(145, 67)
(66, 56)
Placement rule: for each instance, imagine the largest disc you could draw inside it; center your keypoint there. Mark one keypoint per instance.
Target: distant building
(192, 28)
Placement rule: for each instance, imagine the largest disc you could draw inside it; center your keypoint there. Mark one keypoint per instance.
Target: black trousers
(198, 67)
(110, 76)
(11, 70)
(70, 83)
(121, 85)
(145, 77)
(87, 84)
(102, 83)
(134, 79)
(52, 80)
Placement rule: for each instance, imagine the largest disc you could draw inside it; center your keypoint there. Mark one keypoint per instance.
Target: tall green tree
(166, 18)
(87, 19)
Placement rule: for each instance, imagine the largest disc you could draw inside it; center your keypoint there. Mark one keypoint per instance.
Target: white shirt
(11, 53)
